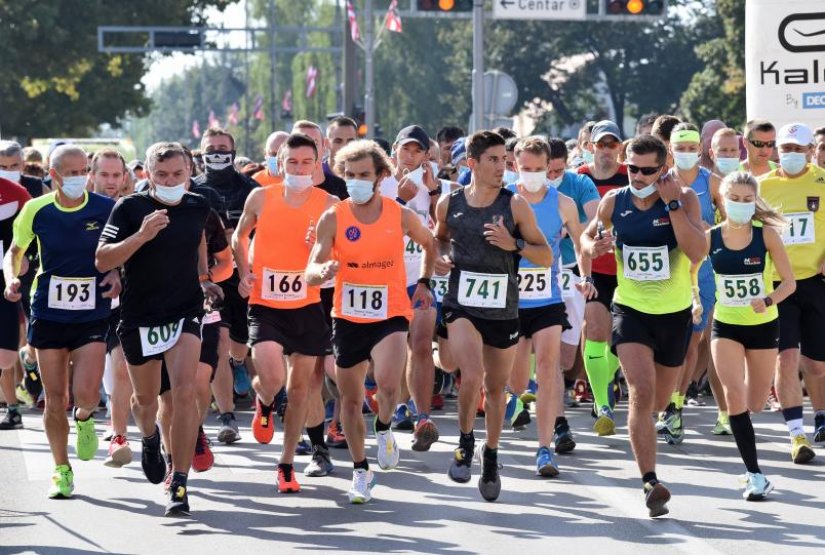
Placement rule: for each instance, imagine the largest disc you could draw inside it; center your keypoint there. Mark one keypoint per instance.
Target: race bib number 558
(740, 290)
(159, 339)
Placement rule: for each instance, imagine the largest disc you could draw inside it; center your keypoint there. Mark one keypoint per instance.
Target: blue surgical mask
(792, 162)
(297, 183)
(74, 186)
(740, 212)
(360, 190)
(10, 175)
(510, 176)
(727, 165)
(272, 165)
(170, 195)
(644, 192)
(686, 160)
(587, 156)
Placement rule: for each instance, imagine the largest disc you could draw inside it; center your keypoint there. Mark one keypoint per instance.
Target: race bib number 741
(482, 290)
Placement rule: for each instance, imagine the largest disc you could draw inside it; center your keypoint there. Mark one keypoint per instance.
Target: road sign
(500, 93)
(540, 9)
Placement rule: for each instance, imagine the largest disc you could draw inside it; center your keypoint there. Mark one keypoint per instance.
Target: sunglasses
(644, 171)
(607, 145)
(762, 144)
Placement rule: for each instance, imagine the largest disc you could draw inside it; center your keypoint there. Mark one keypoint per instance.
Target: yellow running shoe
(62, 482)
(801, 450)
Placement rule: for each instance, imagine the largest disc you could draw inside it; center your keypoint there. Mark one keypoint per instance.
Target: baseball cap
(604, 128)
(413, 133)
(459, 151)
(795, 134)
(135, 164)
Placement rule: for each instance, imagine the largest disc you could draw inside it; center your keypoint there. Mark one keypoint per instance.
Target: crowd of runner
(339, 277)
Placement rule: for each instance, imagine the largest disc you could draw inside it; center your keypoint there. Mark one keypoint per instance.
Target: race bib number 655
(159, 339)
(646, 263)
(482, 290)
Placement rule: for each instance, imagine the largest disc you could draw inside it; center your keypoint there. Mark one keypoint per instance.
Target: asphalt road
(594, 505)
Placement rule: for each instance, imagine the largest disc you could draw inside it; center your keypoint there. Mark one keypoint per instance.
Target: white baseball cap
(795, 134)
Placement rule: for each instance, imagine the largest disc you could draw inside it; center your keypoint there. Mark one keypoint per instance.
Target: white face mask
(644, 192)
(417, 176)
(533, 181)
(73, 186)
(555, 183)
(171, 194)
(272, 166)
(686, 160)
(510, 177)
(727, 165)
(10, 175)
(297, 183)
(360, 190)
(217, 161)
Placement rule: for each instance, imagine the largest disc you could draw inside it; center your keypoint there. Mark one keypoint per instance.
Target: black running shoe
(489, 483)
(656, 498)
(563, 438)
(154, 467)
(12, 421)
(179, 500)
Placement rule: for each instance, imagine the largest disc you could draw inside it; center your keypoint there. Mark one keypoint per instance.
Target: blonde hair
(764, 212)
(360, 149)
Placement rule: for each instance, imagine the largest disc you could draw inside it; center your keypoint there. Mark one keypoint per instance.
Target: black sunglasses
(762, 144)
(644, 171)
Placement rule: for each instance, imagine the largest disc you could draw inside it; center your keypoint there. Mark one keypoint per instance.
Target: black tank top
(483, 282)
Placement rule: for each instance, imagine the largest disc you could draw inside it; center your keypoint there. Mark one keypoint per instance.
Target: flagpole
(369, 87)
(272, 66)
(478, 65)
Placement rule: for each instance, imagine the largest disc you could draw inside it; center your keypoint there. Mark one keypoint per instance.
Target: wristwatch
(673, 205)
(425, 281)
(586, 279)
(520, 244)
(768, 302)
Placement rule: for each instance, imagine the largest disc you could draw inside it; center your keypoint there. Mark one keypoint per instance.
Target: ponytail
(764, 213)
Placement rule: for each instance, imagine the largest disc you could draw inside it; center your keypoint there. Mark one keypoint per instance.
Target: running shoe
(545, 465)
(120, 454)
(23, 396)
(228, 432)
(570, 399)
(757, 486)
(303, 447)
(402, 419)
(31, 375)
(656, 498)
(480, 408)
(370, 404)
(167, 478)
(426, 433)
(489, 483)
(203, 458)
(692, 396)
(287, 483)
(179, 500)
(675, 428)
(437, 402)
(819, 428)
(772, 404)
(263, 426)
(321, 464)
(240, 377)
(461, 468)
(515, 414)
(151, 459)
(664, 416)
(801, 450)
(582, 392)
(362, 483)
(86, 442)
(335, 436)
(563, 439)
(722, 426)
(62, 482)
(12, 421)
(388, 454)
(605, 424)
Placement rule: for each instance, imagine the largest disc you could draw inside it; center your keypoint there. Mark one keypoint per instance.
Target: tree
(54, 81)
(718, 90)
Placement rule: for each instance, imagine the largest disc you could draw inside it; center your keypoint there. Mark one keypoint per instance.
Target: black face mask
(219, 163)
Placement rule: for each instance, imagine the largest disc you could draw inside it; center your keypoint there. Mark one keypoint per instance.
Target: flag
(286, 103)
(353, 22)
(393, 21)
(213, 121)
(312, 74)
(196, 129)
(232, 116)
(258, 109)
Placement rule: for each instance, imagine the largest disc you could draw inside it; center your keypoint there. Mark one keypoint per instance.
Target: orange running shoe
(263, 425)
(286, 479)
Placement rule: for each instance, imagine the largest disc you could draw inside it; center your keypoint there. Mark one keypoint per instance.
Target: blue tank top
(701, 186)
(540, 286)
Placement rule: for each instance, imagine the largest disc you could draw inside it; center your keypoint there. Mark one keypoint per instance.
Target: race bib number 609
(159, 339)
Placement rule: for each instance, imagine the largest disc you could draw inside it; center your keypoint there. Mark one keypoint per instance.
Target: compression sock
(745, 437)
(598, 370)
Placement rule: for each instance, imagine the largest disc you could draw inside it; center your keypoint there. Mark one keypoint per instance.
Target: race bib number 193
(72, 293)
(159, 339)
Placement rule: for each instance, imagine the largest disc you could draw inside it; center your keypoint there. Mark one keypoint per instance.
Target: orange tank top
(371, 283)
(281, 252)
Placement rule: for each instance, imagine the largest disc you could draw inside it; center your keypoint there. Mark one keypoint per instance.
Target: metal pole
(369, 87)
(350, 70)
(478, 65)
(247, 108)
(272, 67)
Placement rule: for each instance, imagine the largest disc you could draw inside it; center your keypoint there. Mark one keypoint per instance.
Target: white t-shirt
(420, 204)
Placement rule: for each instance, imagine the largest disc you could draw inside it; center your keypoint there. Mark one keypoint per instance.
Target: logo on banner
(793, 38)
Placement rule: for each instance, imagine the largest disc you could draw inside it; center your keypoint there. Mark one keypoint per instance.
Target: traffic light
(635, 7)
(446, 6)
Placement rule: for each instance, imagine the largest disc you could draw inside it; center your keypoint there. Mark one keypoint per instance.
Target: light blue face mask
(792, 162)
(360, 190)
(644, 192)
(510, 176)
(740, 212)
(10, 175)
(587, 156)
(686, 160)
(727, 165)
(555, 183)
(171, 194)
(74, 186)
(272, 166)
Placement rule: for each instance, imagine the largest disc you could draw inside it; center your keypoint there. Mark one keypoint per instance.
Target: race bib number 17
(800, 230)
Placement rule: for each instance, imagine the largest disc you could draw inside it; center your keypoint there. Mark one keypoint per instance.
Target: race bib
(364, 301)
(412, 250)
(567, 284)
(646, 263)
(800, 230)
(72, 293)
(739, 290)
(283, 286)
(159, 339)
(439, 286)
(534, 283)
(211, 317)
(482, 290)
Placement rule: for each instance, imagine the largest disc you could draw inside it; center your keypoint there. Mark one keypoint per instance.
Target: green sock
(598, 370)
(678, 400)
(612, 360)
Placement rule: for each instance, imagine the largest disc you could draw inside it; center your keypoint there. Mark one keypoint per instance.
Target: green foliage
(55, 82)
